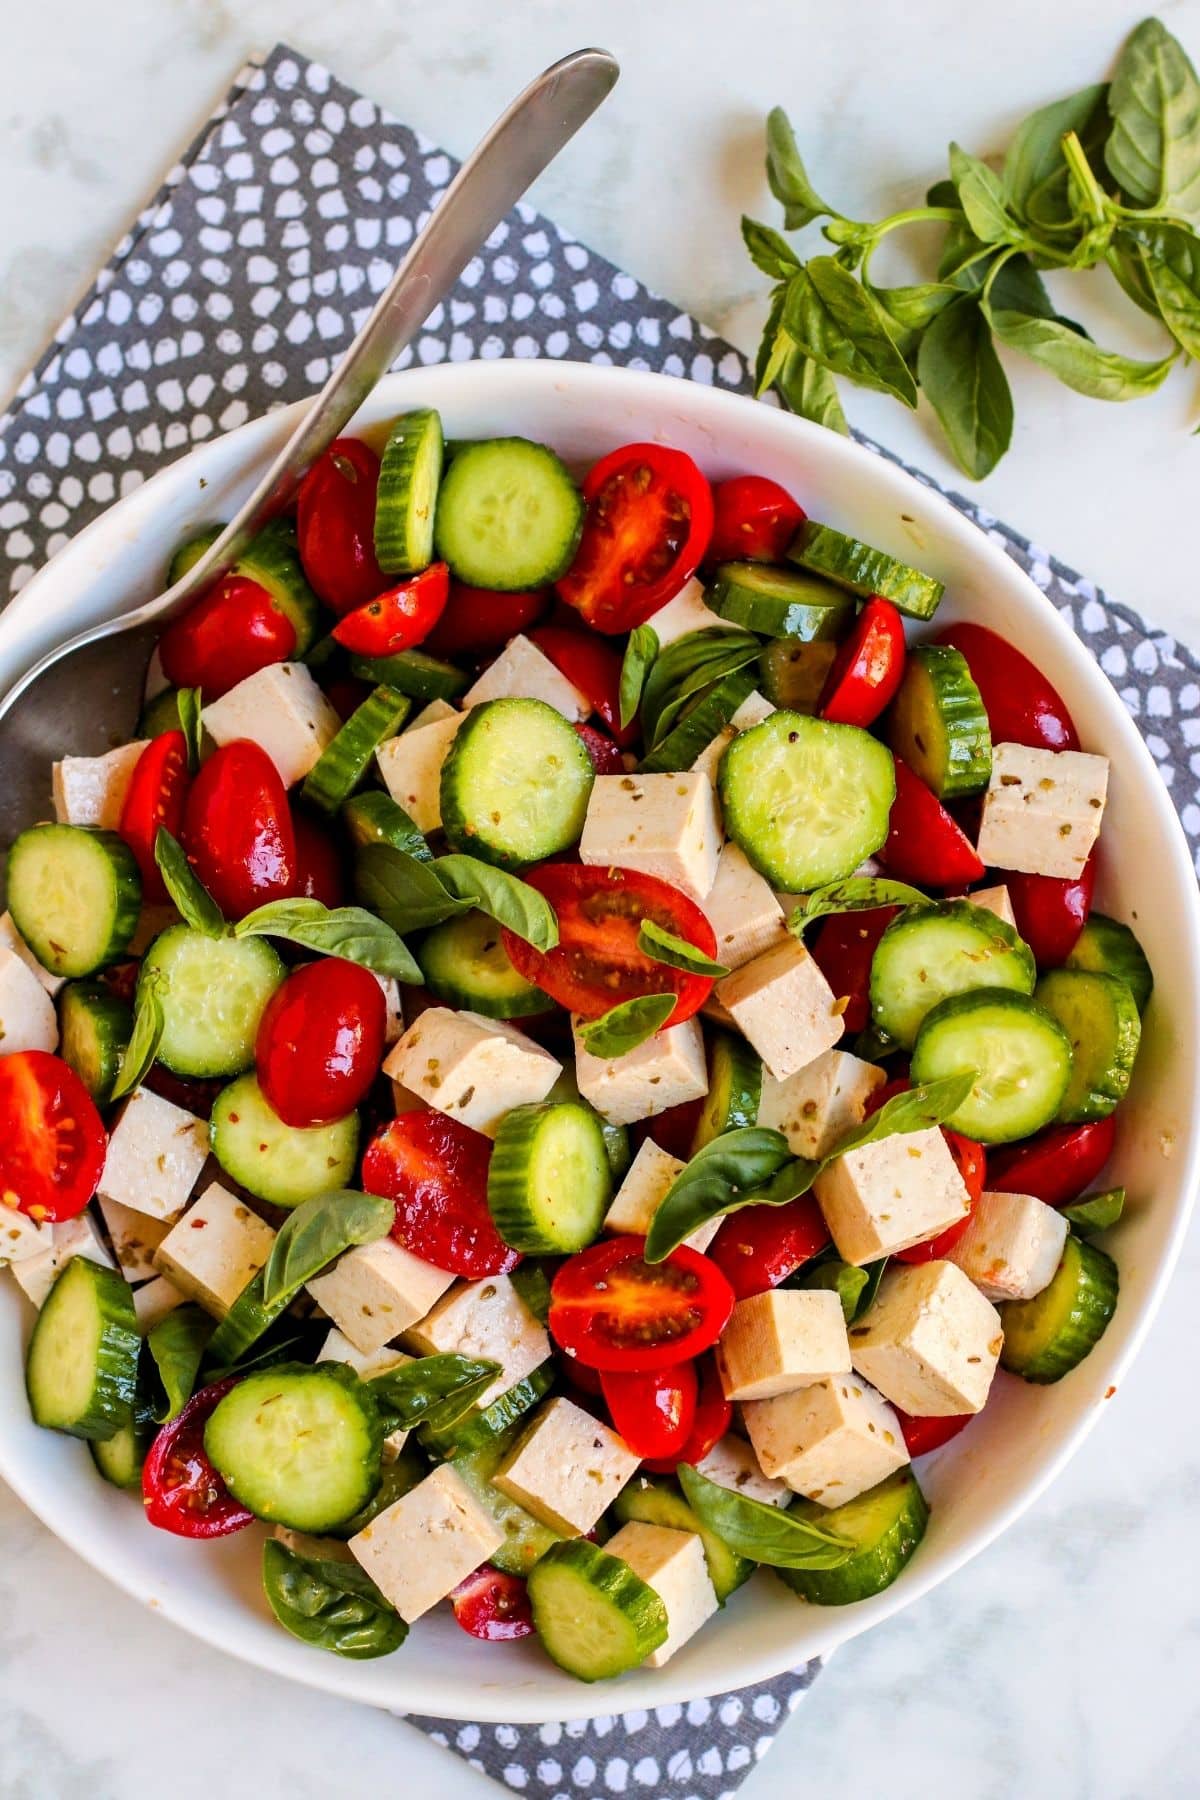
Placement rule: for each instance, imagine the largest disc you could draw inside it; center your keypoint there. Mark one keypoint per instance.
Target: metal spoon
(88, 699)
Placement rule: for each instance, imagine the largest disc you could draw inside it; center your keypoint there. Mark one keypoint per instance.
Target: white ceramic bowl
(977, 1485)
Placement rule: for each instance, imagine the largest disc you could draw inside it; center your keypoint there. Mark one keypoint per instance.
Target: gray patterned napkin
(245, 277)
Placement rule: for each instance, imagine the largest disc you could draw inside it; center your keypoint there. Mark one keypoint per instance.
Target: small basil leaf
(727, 1173)
(768, 250)
(688, 665)
(1125, 261)
(188, 704)
(675, 952)
(317, 1232)
(177, 1344)
(917, 1109)
(532, 1283)
(501, 896)
(845, 1280)
(144, 1039)
(961, 377)
(193, 900)
(1170, 265)
(1098, 1212)
(348, 931)
(766, 1534)
(788, 178)
(832, 318)
(404, 891)
(858, 893)
(912, 309)
(810, 391)
(331, 1604)
(1078, 363)
(621, 1029)
(981, 197)
(636, 664)
(874, 1273)
(417, 1390)
(773, 346)
(1034, 177)
(1153, 150)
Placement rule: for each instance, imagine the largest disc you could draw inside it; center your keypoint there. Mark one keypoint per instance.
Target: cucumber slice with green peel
(515, 784)
(705, 719)
(75, 895)
(780, 603)
(160, 714)
(343, 764)
(273, 560)
(190, 551)
(930, 952)
(412, 672)
(94, 1027)
(375, 818)
(119, 1458)
(298, 1446)
(1097, 1212)
(81, 1369)
(214, 992)
(409, 472)
(1107, 947)
(1021, 1053)
(549, 1181)
(1100, 1017)
(398, 1478)
(1048, 1336)
(283, 1164)
(480, 1425)
(792, 674)
(616, 1137)
(657, 1500)
(885, 1525)
(806, 801)
(508, 515)
(526, 1539)
(595, 1617)
(465, 964)
(735, 1079)
(938, 725)
(864, 570)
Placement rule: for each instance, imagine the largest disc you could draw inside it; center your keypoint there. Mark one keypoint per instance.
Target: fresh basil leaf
(687, 666)
(810, 390)
(768, 250)
(348, 931)
(419, 1390)
(192, 899)
(1078, 363)
(726, 1174)
(916, 1109)
(144, 1039)
(765, 1534)
(675, 952)
(404, 892)
(1124, 259)
(788, 178)
(961, 377)
(832, 318)
(844, 1279)
(942, 193)
(177, 1344)
(1099, 1212)
(636, 664)
(292, 1346)
(1153, 150)
(1017, 287)
(532, 1283)
(773, 346)
(965, 260)
(911, 310)
(858, 893)
(981, 197)
(1170, 267)
(622, 1028)
(188, 704)
(331, 1604)
(1034, 178)
(501, 896)
(695, 684)
(316, 1233)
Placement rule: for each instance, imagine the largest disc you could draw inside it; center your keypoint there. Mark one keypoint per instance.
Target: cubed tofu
(11, 939)
(393, 1029)
(686, 612)
(22, 1237)
(522, 672)
(91, 790)
(784, 1005)
(566, 1468)
(471, 1068)
(283, 711)
(338, 1348)
(36, 1275)
(135, 1237)
(643, 1191)
(929, 1341)
(732, 1464)
(753, 710)
(746, 918)
(155, 1155)
(673, 1564)
(28, 1020)
(433, 714)
(489, 1320)
(786, 1338)
(419, 1548)
(995, 900)
(664, 825)
(376, 1291)
(153, 1300)
(663, 1072)
(217, 1247)
(411, 766)
(819, 1104)
(829, 1442)
(890, 1195)
(1012, 1247)
(1042, 810)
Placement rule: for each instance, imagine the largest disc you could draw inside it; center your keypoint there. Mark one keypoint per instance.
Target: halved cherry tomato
(397, 618)
(237, 829)
(713, 1417)
(1056, 1166)
(971, 1162)
(1021, 705)
(754, 520)
(606, 758)
(477, 621)
(493, 1605)
(596, 963)
(320, 1041)
(320, 869)
(436, 1169)
(181, 1490)
(1050, 913)
(230, 633)
(843, 950)
(653, 1411)
(611, 1309)
(760, 1246)
(155, 796)
(592, 666)
(867, 669)
(923, 1435)
(924, 845)
(335, 525)
(648, 525)
(52, 1144)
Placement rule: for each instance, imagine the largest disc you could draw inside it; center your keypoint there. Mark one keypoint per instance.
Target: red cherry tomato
(596, 963)
(754, 520)
(52, 1144)
(1056, 1166)
(592, 666)
(493, 1605)
(230, 633)
(867, 669)
(923, 1435)
(1021, 706)
(714, 1415)
(971, 1163)
(611, 1309)
(320, 1041)
(335, 525)
(436, 1170)
(843, 950)
(647, 530)
(320, 872)
(924, 845)
(181, 1490)
(399, 617)
(654, 1412)
(155, 796)
(760, 1246)
(478, 621)
(1050, 913)
(237, 829)
(606, 758)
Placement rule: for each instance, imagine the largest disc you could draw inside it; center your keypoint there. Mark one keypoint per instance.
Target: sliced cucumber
(1100, 1017)
(375, 818)
(1048, 1336)
(931, 952)
(412, 672)
(81, 1370)
(94, 1027)
(885, 1525)
(864, 570)
(1107, 947)
(704, 720)
(274, 562)
(792, 675)
(779, 603)
(806, 801)
(595, 1617)
(735, 1079)
(214, 992)
(526, 1539)
(409, 472)
(938, 725)
(283, 1164)
(119, 1458)
(515, 784)
(190, 551)
(656, 1500)
(160, 714)
(1022, 1054)
(75, 896)
(480, 1425)
(343, 764)
(549, 1181)
(616, 1137)
(508, 516)
(465, 964)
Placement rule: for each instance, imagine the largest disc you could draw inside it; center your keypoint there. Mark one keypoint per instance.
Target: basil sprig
(192, 899)
(858, 893)
(149, 1024)
(640, 653)
(316, 1233)
(663, 946)
(432, 1388)
(411, 895)
(625, 1027)
(348, 931)
(765, 1534)
(177, 1345)
(329, 1603)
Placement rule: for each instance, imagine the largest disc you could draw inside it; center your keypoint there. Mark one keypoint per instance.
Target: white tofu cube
(1012, 1247)
(686, 612)
(155, 1155)
(283, 711)
(376, 1291)
(753, 710)
(746, 918)
(643, 1191)
(36, 1275)
(471, 1068)
(1042, 810)
(786, 1338)
(489, 1320)
(338, 1348)
(995, 900)
(929, 1341)
(22, 1237)
(11, 939)
(664, 825)
(411, 767)
(433, 714)
(819, 1104)
(91, 790)
(135, 1237)
(566, 1468)
(215, 1250)
(523, 672)
(674, 1565)
(418, 1549)
(153, 1300)
(28, 1020)
(732, 1464)
(784, 1005)
(890, 1195)
(663, 1072)
(829, 1442)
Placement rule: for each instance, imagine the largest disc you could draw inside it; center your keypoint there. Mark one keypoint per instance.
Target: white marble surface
(1062, 1665)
